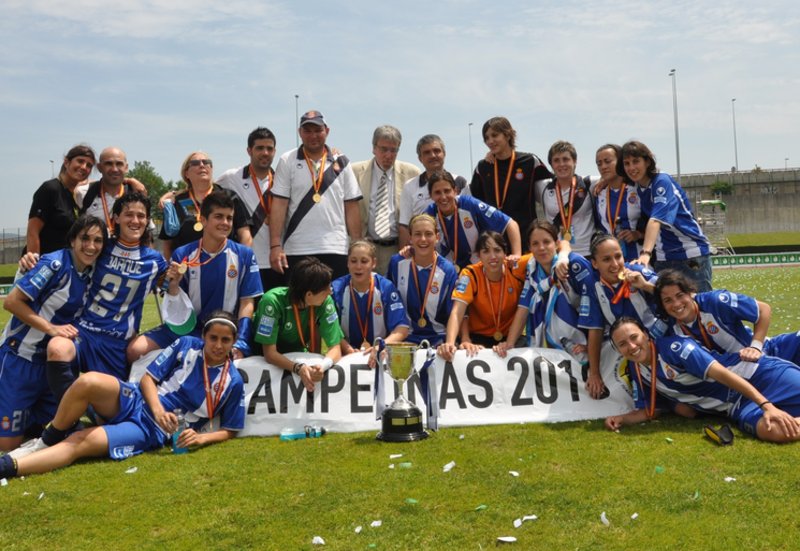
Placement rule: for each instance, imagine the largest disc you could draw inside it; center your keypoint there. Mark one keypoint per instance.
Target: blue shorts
(99, 352)
(25, 397)
(132, 431)
(779, 381)
(786, 346)
(163, 336)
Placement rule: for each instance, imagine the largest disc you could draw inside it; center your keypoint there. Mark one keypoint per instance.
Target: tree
(722, 187)
(152, 180)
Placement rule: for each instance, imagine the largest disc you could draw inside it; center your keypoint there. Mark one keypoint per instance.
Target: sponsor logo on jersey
(122, 452)
(265, 326)
(41, 277)
(723, 297)
(686, 351)
(675, 346)
(461, 284)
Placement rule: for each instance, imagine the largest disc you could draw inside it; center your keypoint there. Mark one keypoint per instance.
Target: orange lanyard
(424, 299)
(106, 214)
(311, 330)
(500, 201)
(623, 291)
(706, 339)
(452, 243)
(197, 205)
(211, 406)
(496, 317)
(316, 179)
(612, 223)
(651, 407)
(265, 204)
(566, 223)
(363, 326)
(195, 259)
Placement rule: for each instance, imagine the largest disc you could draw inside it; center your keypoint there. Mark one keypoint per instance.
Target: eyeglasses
(198, 162)
(384, 149)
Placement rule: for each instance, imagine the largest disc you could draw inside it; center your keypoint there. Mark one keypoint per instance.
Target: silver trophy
(402, 420)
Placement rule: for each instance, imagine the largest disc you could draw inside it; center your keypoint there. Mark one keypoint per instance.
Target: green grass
(760, 239)
(259, 493)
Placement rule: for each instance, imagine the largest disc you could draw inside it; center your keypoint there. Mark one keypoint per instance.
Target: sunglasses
(198, 162)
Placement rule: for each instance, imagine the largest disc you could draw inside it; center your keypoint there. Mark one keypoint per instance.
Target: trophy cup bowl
(402, 420)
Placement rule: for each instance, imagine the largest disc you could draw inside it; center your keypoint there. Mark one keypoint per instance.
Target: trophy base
(402, 425)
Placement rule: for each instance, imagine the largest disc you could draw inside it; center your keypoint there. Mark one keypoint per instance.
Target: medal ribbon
(265, 203)
(496, 318)
(612, 222)
(501, 200)
(311, 328)
(424, 298)
(106, 214)
(623, 291)
(651, 407)
(211, 406)
(566, 222)
(706, 340)
(197, 204)
(452, 243)
(363, 326)
(195, 259)
(316, 179)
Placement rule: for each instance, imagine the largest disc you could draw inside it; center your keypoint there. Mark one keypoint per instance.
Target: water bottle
(581, 357)
(175, 435)
(309, 431)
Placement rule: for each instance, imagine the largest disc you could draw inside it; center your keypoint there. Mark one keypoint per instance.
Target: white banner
(529, 385)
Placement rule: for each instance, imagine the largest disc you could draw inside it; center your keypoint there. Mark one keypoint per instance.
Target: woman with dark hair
(716, 319)
(462, 218)
(672, 237)
(296, 318)
(54, 210)
(505, 179)
(763, 397)
(45, 303)
(197, 172)
(195, 376)
(484, 299)
(617, 208)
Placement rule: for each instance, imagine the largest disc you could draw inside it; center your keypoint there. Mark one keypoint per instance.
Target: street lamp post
(786, 163)
(675, 115)
(296, 120)
(735, 145)
(471, 166)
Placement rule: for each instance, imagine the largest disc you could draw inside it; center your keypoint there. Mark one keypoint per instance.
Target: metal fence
(12, 241)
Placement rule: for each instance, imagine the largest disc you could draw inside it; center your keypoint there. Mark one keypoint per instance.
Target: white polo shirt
(239, 180)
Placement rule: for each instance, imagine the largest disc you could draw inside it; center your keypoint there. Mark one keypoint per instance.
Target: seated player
(45, 303)
(213, 273)
(369, 305)
(462, 218)
(193, 375)
(763, 397)
(484, 299)
(296, 318)
(425, 281)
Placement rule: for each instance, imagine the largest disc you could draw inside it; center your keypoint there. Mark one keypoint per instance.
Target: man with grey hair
(415, 197)
(381, 180)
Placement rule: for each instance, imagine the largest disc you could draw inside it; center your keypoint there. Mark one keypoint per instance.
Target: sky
(163, 78)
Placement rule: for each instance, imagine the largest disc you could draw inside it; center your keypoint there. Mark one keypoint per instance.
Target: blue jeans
(698, 269)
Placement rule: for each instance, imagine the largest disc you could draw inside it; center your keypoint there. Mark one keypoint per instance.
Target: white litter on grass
(518, 522)
(460, 436)
(40, 496)
(132, 470)
(376, 523)
(604, 519)
(634, 516)
(507, 539)
(396, 456)
(730, 479)
(358, 529)
(316, 540)
(513, 473)
(391, 465)
(26, 493)
(3, 482)
(449, 467)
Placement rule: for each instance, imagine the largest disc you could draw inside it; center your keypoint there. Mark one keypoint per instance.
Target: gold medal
(498, 336)
(198, 226)
(365, 345)
(422, 322)
(182, 269)
(317, 197)
(567, 236)
(621, 276)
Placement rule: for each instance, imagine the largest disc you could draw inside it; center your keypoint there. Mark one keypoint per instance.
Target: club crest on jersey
(377, 310)
(6, 424)
(468, 223)
(711, 328)
(232, 272)
(434, 288)
(669, 372)
(632, 198)
(519, 175)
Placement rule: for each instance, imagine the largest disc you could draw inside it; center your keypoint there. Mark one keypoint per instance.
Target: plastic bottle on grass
(308, 431)
(175, 435)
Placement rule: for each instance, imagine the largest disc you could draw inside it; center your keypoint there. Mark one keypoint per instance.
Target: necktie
(382, 228)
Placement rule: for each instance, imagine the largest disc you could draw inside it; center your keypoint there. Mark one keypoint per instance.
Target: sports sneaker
(29, 447)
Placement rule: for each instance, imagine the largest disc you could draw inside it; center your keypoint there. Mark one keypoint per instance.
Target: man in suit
(381, 180)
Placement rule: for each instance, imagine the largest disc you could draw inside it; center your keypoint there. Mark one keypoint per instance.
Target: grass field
(760, 239)
(260, 493)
